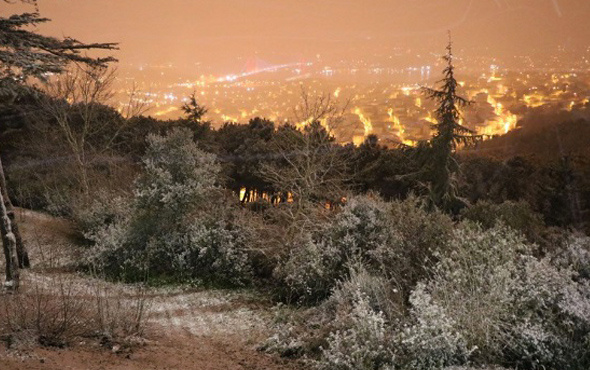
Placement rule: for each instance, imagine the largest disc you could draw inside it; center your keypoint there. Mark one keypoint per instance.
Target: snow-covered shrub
(104, 209)
(178, 225)
(506, 306)
(380, 293)
(310, 271)
(574, 254)
(308, 332)
(468, 295)
(285, 341)
(360, 314)
(364, 345)
(433, 340)
(417, 237)
(217, 249)
(552, 323)
(318, 260)
(394, 239)
(177, 176)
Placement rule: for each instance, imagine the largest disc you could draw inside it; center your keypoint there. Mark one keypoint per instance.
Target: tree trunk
(21, 250)
(9, 244)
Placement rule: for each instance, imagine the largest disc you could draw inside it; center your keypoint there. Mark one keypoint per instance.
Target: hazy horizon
(221, 34)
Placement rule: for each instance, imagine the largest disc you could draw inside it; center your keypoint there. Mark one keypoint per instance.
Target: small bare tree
(77, 103)
(74, 104)
(135, 105)
(322, 108)
(310, 166)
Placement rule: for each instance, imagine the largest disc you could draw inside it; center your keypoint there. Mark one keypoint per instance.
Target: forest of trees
(449, 253)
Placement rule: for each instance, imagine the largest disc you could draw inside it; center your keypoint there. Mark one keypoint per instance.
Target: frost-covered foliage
(318, 261)
(380, 293)
(433, 341)
(337, 323)
(364, 345)
(177, 176)
(105, 209)
(395, 239)
(471, 283)
(422, 236)
(351, 330)
(552, 329)
(501, 305)
(171, 228)
(575, 255)
(483, 297)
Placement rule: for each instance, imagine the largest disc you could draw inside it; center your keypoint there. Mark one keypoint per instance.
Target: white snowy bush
(575, 254)
(177, 175)
(319, 260)
(433, 340)
(178, 224)
(505, 306)
(417, 238)
(364, 345)
(104, 209)
(381, 294)
(397, 240)
(484, 299)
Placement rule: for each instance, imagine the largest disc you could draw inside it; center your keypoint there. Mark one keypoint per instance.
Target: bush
(178, 226)
(575, 255)
(364, 345)
(377, 290)
(105, 209)
(433, 341)
(552, 326)
(318, 260)
(483, 297)
(351, 330)
(517, 215)
(419, 237)
(398, 240)
(507, 307)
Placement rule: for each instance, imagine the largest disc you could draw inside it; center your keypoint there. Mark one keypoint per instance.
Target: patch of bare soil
(205, 330)
(179, 351)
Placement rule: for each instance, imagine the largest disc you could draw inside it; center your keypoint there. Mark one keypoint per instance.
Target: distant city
(376, 96)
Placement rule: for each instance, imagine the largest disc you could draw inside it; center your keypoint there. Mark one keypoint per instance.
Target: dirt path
(205, 330)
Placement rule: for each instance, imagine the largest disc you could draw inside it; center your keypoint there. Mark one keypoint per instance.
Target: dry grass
(61, 309)
(57, 308)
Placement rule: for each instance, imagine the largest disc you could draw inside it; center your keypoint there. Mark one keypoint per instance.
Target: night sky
(217, 32)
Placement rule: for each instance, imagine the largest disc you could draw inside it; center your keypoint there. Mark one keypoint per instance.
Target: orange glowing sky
(216, 32)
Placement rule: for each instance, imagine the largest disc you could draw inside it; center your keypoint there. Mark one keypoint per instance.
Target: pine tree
(26, 56)
(442, 168)
(193, 110)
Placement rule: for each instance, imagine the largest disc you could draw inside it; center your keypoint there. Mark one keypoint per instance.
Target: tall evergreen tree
(442, 168)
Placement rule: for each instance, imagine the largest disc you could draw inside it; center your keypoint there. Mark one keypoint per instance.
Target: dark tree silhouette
(442, 168)
(24, 56)
(193, 110)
